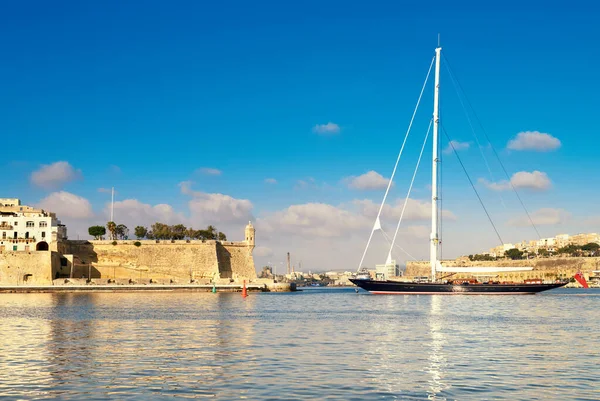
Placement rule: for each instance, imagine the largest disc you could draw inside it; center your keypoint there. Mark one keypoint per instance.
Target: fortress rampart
(544, 268)
(160, 260)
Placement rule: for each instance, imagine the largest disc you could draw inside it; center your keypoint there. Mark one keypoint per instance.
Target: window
(27, 235)
(30, 224)
(4, 235)
(14, 247)
(43, 234)
(15, 235)
(43, 224)
(16, 223)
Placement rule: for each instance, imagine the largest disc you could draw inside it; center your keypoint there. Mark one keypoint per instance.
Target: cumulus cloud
(132, 212)
(456, 145)
(535, 181)
(368, 181)
(534, 140)
(66, 204)
(55, 175)
(325, 220)
(215, 208)
(209, 171)
(327, 129)
(415, 210)
(263, 251)
(313, 219)
(542, 217)
(270, 181)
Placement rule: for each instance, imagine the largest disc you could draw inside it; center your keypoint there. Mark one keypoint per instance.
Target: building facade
(25, 228)
(387, 270)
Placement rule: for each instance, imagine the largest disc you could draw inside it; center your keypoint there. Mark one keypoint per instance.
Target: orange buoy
(244, 290)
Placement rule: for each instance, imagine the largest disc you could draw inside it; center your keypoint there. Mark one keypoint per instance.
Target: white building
(24, 228)
(388, 270)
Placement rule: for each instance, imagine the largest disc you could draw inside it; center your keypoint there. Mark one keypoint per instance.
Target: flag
(581, 280)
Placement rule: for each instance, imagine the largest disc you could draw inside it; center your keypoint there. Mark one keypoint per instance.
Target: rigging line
(495, 152)
(412, 181)
(487, 165)
(473, 186)
(377, 222)
(387, 238)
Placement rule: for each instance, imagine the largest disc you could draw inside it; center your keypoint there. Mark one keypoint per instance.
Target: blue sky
(142, 95)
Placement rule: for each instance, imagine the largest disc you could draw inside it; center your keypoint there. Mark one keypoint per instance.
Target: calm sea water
(317, 344)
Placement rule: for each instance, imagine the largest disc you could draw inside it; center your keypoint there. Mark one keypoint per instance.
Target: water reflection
(311, 345)
(437, 356)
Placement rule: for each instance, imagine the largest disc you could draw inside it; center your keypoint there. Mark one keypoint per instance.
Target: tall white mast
(112, 204)
(434, 176)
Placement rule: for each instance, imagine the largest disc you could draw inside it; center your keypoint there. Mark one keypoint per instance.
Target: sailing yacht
(435, 286)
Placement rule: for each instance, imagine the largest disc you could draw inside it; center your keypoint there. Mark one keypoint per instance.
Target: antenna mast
(112, 204)
(433, 254)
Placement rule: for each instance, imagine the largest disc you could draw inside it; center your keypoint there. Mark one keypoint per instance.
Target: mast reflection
(437, 356)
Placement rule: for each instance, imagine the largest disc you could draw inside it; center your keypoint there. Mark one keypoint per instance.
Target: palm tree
(212, 232)
(111, 226)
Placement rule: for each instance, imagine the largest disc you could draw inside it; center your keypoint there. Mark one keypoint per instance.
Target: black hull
(409, 288)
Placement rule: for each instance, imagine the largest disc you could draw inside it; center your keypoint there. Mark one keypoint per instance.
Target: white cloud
(67, 205)
(217, 209)
(535, 181)
(456, 145)
(415, 210)
(313, 220)
(328, 237)
(270, 181)
(209, 171)
(327, 129)
(132, 212)
(368, 181)
(55, 175)
(534, 140)
(542, 217)
(263, 251)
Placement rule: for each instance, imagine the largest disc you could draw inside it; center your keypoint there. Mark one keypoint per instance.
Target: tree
(161, 231)
(140, 232)
(591, 246)
(97, 231)
(122, 231)
(178, 231)
(570, 249)
(212, 232)
(543, 252)
(514, 254)
(111, 226)
(221, 236)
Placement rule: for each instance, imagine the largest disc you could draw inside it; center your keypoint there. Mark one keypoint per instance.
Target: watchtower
(250, 235)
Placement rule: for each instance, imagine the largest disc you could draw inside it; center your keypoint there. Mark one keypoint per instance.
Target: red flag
(581, 280)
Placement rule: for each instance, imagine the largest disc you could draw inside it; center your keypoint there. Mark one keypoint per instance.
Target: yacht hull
(410, 288)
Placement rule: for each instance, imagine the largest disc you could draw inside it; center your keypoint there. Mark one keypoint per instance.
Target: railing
(6, 227)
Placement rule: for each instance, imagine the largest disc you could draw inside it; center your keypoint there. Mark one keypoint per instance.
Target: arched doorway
(41, 246)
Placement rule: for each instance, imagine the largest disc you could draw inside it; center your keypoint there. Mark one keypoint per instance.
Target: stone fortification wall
(181, 261)
(238, 258)
(36, 267)
(542, 267)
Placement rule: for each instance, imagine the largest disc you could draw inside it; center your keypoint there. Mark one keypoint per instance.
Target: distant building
(24, 228)
(388, 270)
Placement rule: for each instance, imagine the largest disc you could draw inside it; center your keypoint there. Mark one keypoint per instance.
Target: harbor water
(321, 343)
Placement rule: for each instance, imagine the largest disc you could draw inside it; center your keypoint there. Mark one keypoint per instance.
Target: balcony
(6, 227)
